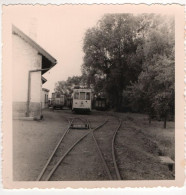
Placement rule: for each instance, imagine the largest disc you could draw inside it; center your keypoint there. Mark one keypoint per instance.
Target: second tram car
(58, 100)
(100, 103)
(82, 100)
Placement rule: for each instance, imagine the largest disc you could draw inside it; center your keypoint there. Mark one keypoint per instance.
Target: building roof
(44, 89)
(47, 61)
(43, 80)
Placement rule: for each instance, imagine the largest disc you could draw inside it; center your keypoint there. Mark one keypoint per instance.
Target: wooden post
(165, 121)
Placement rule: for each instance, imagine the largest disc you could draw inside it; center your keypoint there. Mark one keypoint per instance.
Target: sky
(60, 31)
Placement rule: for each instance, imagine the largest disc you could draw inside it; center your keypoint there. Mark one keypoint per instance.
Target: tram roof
(82, 90)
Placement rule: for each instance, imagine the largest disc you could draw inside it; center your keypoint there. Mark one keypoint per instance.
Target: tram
(100, 103)
(81, 100)
(58, 100)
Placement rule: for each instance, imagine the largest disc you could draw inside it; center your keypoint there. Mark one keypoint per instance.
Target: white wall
(25, 58)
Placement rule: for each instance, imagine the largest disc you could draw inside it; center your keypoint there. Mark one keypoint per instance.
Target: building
(45, 98)
(30, 62)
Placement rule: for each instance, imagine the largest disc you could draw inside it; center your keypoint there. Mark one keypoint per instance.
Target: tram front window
(82, 95)
(88, 96)
(76, 95)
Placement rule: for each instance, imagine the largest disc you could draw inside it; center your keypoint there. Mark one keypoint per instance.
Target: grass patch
(164, 138)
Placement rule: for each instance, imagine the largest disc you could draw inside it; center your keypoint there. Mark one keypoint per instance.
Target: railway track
(104, 161)
(62, 150)
(44, 170)
(58, 154)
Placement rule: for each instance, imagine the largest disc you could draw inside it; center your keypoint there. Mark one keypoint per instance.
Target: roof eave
(43, 79)
(40, 50)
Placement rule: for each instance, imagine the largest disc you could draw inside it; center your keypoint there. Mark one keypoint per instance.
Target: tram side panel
(100, 104)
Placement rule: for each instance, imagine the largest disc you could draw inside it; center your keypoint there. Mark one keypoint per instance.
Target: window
(82, 95)
(76, 95)
(88, 96)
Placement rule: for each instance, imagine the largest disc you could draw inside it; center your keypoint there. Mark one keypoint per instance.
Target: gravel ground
(33, 142)
(137, 147)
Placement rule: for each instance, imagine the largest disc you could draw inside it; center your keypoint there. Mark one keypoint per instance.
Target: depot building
(30, 62)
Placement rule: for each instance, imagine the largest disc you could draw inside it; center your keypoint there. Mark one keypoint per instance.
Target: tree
(66, 87)
(110, 54)
(155, 85)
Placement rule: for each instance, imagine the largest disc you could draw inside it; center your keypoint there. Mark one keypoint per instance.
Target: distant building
(30, 62)
(44, 98)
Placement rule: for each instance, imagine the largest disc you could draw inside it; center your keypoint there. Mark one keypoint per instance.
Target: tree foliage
(110, 54)
(66, 87)
(155, 85)
(136, 52)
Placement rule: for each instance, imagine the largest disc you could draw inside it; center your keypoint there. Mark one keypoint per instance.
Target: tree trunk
(150, 119)
(165, 122)
(150, 116)
(119, 103)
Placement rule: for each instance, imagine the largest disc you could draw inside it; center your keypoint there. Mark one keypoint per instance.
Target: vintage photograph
(93, 94)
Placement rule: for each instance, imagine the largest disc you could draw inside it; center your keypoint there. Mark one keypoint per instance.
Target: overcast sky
(60, 31)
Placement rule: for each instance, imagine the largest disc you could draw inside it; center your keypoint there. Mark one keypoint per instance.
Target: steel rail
(54, 151)
(102, 158)
(81, 119)
(66, 153)
(113, 151)
(68, 120)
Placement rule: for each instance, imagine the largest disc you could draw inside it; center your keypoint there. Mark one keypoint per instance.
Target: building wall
(25, 58)
(44, 98)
